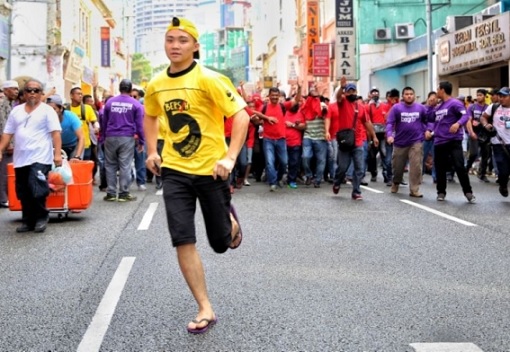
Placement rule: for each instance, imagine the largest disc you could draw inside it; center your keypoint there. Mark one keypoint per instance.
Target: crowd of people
(302, 137)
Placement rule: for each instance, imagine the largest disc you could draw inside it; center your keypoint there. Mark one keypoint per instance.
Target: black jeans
(32, 192)
(447, 155)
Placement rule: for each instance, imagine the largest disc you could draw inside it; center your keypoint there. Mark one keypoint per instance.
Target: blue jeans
(387, 160)
(275, 151)
(428, 148)
(344, 161)
(141, 172)
(319, 149)
(294, 156)
(332, 158)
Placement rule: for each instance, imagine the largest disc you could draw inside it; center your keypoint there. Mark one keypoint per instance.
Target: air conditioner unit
(480, 18)
(404, 31)
(454, 23)
(382, 34)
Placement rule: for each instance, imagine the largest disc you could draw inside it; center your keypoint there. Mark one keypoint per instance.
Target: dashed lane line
(94, 335)
(159, 192)
(372, 189)
(147, 218)
(438, 213)
(445, 347)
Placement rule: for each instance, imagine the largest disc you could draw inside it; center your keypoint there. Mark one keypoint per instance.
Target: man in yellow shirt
(196, 161)
(89, 117)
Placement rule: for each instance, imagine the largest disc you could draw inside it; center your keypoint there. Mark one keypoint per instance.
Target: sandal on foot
(239, 235)
(210, 323)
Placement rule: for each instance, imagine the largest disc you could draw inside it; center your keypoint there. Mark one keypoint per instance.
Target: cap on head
(125, 86)
(185, 26)
(55, 99)
(504, 91)
(10, 84)
(374, 90)
(350, 86)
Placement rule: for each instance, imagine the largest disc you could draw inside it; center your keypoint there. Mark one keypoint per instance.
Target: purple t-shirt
(123, 117)
(444, 116)
(407, 124)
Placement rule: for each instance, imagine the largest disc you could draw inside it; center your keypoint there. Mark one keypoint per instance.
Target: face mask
(351, 98)
(375, 98)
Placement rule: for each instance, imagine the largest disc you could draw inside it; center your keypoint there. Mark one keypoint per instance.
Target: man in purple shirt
(405, 129)
(122, 120)
(445, 122)
(479, 143)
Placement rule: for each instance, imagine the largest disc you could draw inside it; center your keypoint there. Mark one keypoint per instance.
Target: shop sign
(74, 68)
(321, 60)
(105, 47)
(292, 69)
(268, 82)
(312, 25)
(345, 43)
(478, 45)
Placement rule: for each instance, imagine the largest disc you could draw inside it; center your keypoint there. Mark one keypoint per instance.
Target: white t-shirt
(32, 132)
(501, 123)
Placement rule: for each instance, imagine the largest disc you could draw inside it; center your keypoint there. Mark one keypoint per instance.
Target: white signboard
(345, 44)
(480, 44)
(292, 69)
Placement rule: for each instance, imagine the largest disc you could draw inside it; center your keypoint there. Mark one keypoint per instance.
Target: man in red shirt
(346, 114)
(275, 149)
(377, 111)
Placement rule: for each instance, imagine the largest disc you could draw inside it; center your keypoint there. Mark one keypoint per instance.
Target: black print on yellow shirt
(176, 112)
(230, 95)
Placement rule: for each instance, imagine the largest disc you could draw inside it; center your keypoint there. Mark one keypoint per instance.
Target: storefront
(476, 56)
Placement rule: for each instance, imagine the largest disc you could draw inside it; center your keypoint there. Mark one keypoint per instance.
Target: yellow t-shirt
(90, 117)
(162, 126)
(194, 104)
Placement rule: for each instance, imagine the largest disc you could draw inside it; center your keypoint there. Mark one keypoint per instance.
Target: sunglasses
(33, 90)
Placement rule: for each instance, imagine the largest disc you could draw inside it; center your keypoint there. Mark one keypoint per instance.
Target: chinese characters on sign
(345, 45)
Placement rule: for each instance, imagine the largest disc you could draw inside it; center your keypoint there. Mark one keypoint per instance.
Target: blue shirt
(70, 124)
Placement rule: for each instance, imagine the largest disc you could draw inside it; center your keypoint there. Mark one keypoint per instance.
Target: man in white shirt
(36, 127)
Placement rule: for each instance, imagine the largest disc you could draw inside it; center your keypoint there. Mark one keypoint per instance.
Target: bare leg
(193, 272)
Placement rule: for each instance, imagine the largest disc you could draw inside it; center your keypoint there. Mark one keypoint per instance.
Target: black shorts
(181, 191)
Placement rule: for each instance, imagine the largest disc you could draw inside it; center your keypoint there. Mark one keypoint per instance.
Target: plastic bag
(60, 176)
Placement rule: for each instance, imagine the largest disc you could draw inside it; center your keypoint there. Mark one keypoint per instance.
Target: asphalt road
(315, 272)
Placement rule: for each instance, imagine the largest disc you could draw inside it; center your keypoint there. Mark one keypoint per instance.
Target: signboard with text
(105, 47)
(312, 24)
(292, 69)
(74, 68)
(345, 42)
(321, 60)
(480, 44)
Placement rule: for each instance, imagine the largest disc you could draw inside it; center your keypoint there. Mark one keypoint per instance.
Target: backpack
(67, 106)
(264, 108)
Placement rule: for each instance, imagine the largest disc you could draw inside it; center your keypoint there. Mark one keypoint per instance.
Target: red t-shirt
(276, 130)
(293, 136)
(228, 126)
(377, 113)
(346, 121)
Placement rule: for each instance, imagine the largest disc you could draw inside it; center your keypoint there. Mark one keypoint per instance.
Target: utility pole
(430, 46)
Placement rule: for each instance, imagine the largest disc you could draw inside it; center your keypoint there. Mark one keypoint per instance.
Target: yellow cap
(184, 25)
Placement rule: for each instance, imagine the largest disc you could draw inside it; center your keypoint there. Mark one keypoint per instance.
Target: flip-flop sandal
(210, 323)
(239, 235)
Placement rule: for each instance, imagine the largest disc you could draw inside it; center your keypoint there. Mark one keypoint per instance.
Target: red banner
(321, 60)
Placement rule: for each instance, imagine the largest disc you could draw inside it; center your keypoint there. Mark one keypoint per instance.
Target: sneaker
(4, 204)
(272, 188)
(357, 196)
(110, 198)
(394, 187)
(279, 184)
(40, 226)
(308, 181)
(404, 183)
(292, 185)
(316, 185)
(126, 198)
(470, 197)
(142, 188)
(24, 228)
(484, 179)
(503, 191)
(416, 194)
(363, 182)
(373, 179)
(389, 184)
(336, 189)
(159, 185)
(440, 197)
(246, 183)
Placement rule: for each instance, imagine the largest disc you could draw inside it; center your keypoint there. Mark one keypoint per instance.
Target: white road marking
(147, 218)
(371, 189)
(159, 192)
(94, 335)
(436, 212)
(445, 347)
